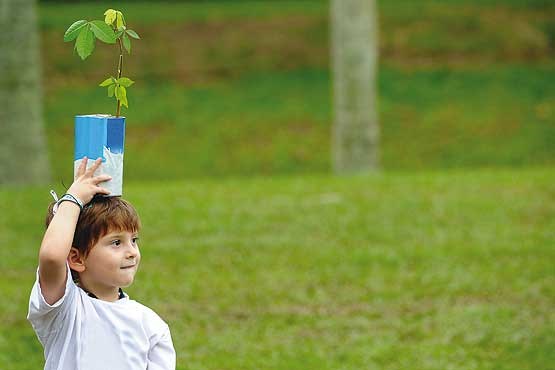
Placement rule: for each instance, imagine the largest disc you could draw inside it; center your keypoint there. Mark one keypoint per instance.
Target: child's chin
(126, 283)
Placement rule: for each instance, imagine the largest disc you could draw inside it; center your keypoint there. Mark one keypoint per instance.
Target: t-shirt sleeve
(162, 354)
(46, 318)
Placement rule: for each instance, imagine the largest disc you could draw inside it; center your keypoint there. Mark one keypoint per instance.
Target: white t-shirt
(79, 332)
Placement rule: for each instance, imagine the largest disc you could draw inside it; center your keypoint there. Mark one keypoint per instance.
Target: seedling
(113, 30)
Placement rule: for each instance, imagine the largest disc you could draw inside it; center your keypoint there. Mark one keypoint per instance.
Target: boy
(91, 323)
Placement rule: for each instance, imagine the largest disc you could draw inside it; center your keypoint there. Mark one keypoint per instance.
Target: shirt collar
(121, 294)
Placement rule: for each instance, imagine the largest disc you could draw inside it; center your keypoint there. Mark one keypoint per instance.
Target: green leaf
(119, 33)
(108, 82)
(120, 22)
(85, 42)
(110, 16)
(103, 32)
(133, 34)
(126, 43)
(121, 95)
(111, 90)
(124, 81)
(73, 30)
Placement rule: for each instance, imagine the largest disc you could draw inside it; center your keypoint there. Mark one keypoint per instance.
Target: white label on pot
(112, 166)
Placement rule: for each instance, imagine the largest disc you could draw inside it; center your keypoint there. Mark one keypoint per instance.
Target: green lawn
(428, 265)
(280, 123)
(425, 270)
(240, 88)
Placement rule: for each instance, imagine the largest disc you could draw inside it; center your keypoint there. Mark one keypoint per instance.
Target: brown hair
(98, 218)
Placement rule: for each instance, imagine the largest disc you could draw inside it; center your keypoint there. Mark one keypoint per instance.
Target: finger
(82, 167)
(94, 167)
(101, 178)
(101, 190)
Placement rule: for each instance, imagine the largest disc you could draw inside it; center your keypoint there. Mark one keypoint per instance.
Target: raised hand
(85, 186)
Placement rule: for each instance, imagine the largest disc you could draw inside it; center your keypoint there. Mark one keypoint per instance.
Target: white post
(355, 136)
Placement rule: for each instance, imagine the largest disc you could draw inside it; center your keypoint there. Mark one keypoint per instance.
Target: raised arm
(58, 238)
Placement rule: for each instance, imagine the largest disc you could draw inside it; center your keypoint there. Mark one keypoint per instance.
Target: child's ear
(75, 260)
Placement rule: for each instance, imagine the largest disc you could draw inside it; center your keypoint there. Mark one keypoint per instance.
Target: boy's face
(112, 262)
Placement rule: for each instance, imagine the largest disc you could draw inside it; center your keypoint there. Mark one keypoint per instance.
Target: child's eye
(135, 240)
(116, 242)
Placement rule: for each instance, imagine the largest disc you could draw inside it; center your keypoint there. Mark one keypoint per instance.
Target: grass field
(426, 271)
(239, 88)
(255, 256)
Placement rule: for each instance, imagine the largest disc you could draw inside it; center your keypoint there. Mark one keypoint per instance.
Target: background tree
(23, 157)
(354, 51)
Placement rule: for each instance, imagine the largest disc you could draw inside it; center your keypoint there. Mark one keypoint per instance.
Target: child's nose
(131, 251)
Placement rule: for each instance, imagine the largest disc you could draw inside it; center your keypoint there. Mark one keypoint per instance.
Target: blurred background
(243, 87)
(260, 258)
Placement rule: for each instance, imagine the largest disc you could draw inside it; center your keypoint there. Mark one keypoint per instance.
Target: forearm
(58, 238)
(54, 251)
(56, 244)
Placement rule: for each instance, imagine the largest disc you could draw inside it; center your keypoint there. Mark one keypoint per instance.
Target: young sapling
(113, 30)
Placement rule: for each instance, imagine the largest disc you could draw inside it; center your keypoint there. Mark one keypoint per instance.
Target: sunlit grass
(420, 271)
(243, 94)
(281, 123)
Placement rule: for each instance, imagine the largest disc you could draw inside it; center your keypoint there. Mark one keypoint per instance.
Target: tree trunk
(23, 157)
(354, 49)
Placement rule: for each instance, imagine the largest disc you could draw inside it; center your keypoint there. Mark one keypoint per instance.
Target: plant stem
(120, 66)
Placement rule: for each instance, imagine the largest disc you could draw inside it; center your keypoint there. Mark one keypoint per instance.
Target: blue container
(101, 136)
